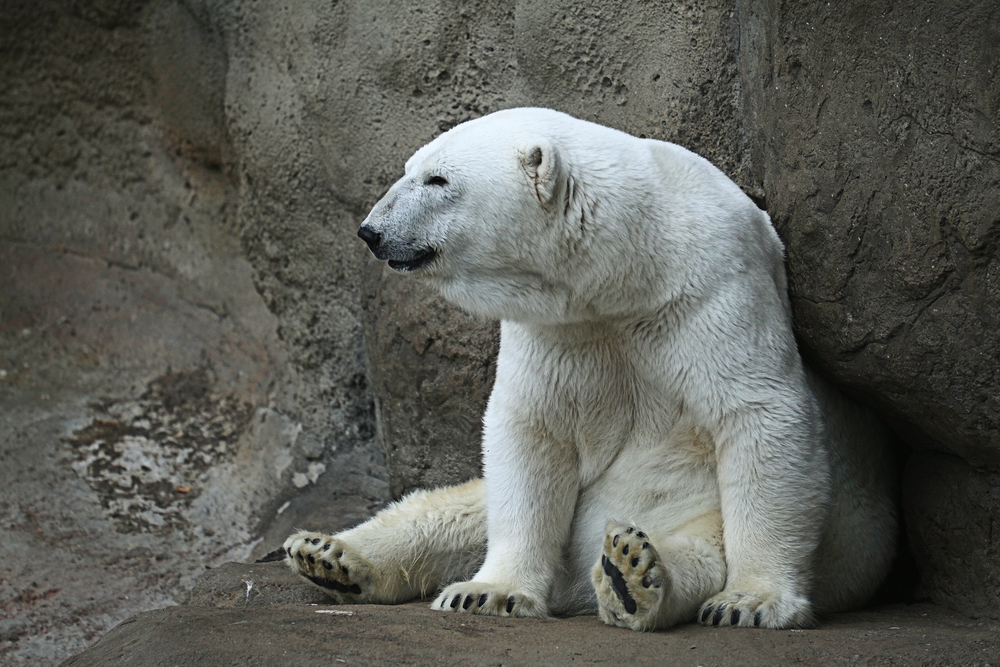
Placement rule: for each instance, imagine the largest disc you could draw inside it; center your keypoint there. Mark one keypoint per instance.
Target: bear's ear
(541, 162)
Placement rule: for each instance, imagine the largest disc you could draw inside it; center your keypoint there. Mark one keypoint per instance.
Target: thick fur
(654, 449)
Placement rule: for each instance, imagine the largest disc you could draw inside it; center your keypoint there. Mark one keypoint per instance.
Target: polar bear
(653, 447)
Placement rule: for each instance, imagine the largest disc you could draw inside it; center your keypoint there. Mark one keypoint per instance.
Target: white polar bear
(653, 446)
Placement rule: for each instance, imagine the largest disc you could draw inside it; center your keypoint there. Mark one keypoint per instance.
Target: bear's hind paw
(330, 564)
(630, 581)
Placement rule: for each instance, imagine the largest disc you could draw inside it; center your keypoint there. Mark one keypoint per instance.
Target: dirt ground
(279, 620)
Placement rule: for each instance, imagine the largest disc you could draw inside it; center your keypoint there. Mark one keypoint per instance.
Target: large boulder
(875, 133)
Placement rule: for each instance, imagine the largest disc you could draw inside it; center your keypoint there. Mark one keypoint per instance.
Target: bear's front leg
(774, 485)
(531, 491)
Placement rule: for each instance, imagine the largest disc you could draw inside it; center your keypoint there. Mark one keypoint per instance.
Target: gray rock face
(432, 370)
(951, 513)
(875, 134)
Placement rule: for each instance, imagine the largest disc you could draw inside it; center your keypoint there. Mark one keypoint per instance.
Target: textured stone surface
(432, 369)
(282, 622)
(952, 513)
(876, 135)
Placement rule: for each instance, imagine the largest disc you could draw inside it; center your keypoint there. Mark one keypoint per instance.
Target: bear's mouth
(419, 259)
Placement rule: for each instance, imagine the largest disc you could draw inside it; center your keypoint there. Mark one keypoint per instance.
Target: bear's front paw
(330, 564)
(630, 580)
(755, 609)
(476, 597)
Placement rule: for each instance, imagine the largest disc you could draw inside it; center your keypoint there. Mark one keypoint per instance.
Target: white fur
(648, 383)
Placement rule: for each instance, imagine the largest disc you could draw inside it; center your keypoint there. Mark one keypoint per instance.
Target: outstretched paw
(747, 609)
(330, 564)
(630, 580)
(475, 597)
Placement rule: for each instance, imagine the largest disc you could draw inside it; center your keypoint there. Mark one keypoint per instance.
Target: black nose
(370, 236)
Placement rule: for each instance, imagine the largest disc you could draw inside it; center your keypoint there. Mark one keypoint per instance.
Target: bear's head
(492, 214)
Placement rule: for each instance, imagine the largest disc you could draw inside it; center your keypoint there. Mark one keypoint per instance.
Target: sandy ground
(283, 621)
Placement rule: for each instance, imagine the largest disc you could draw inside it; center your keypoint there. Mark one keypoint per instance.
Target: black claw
(756, 620)
(315, 541)
(346, 572)
(614, 542)
(289, 550)
(705, 613)
(468, 602)
(641, 535)
(510, 604)
(482, 600)
(327, 565)
(311, 559)
(647, 581)
(645, 545)
(299, 556)
(734, 618)
(630, 530)
(338, 554)
(719, 613)
(454, 601)
(604, 560)
(625, 550)
(635, 561)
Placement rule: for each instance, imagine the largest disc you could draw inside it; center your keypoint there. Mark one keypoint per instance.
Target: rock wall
(180, 186)
(875, 132)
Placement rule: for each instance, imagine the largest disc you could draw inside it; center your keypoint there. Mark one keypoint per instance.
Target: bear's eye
(440, 181)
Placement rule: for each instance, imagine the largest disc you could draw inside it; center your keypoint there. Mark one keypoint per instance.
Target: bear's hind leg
(406, 551)
(650, 582)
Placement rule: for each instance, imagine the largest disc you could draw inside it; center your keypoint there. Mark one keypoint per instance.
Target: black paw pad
(315, 541)
(625, 550)
(327, 565)
(635, 562)
(326, 547)
(647, 581)
(619, 586)
(311, 559)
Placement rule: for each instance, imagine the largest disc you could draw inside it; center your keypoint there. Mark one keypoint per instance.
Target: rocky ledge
(262, 614)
